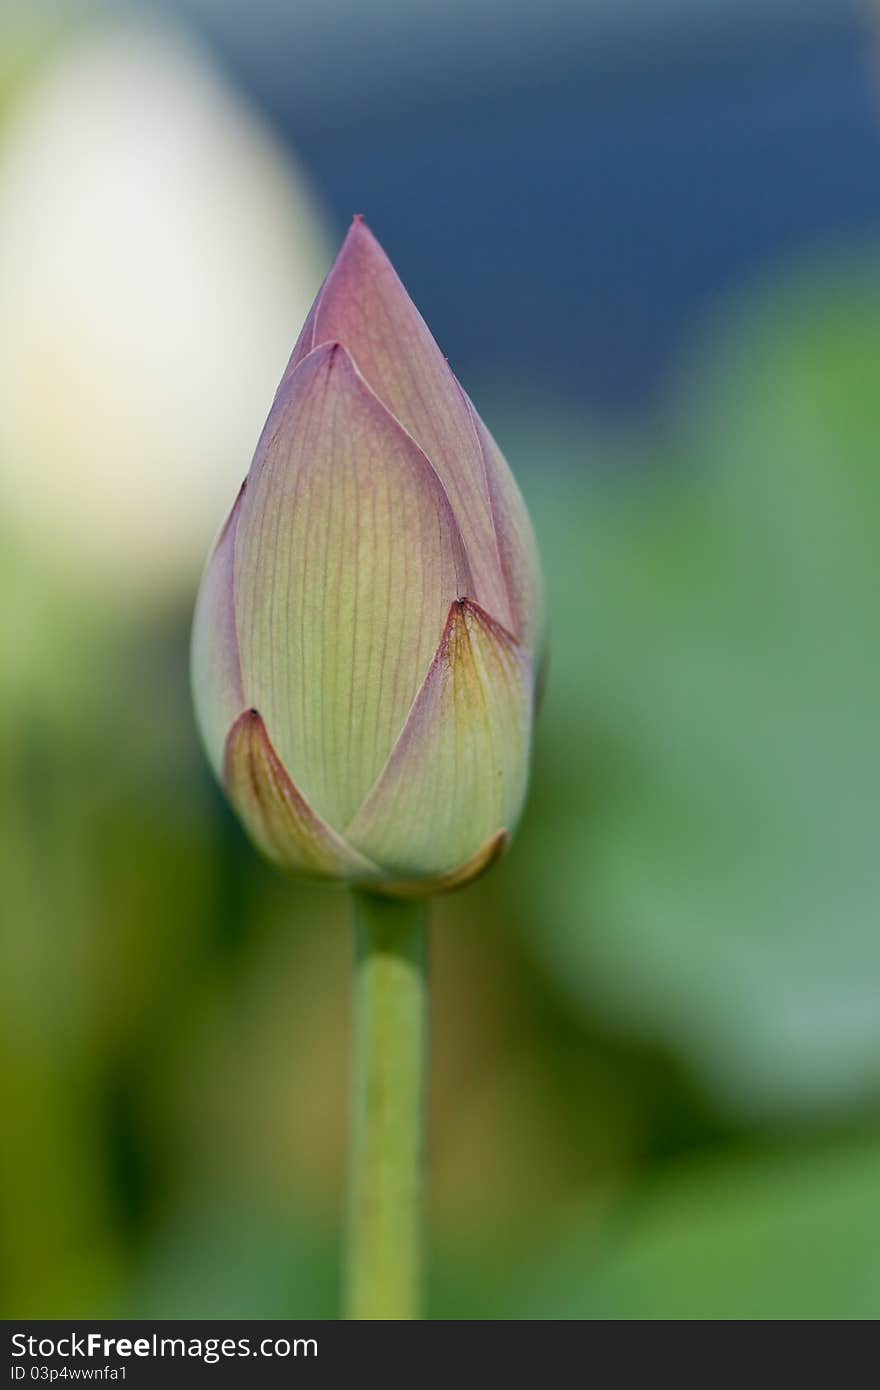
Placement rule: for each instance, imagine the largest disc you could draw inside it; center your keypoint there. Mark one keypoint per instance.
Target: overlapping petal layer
(517, 548)
(277, 818)
(457, 774)
(347, 557)
(364, 306)
(458, 877)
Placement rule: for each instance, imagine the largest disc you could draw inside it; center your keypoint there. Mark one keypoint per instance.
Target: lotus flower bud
(365, 637)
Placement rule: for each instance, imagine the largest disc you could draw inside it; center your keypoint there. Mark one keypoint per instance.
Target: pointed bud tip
(361, 234)
(358, 228)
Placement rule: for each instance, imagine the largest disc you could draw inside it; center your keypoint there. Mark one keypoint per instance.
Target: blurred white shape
(158, 253)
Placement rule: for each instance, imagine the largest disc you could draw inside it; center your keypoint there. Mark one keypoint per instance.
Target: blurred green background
(656, 1070)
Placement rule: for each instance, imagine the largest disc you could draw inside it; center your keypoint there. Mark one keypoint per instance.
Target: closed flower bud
(365, 638)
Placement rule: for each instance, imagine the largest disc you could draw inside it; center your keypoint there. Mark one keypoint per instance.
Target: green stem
(384, 1273)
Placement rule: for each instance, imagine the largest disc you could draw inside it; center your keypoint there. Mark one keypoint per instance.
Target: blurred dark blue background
(595, 173)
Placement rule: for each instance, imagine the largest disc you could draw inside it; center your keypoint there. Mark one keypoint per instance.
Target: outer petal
(363, 305)
(215, 665)
(347, 558)
(487, 855)
(458, 772)
(277, 818)
(517, 546)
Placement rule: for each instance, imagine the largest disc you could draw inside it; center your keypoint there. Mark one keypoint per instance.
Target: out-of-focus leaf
(701, 861)
(784, 1237)
(222, 1260)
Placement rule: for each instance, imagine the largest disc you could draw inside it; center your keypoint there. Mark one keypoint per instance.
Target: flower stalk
(386, 1182)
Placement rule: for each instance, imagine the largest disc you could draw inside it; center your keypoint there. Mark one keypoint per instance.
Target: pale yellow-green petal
(459, 877)
(458, 773)
(275, 814)
(347, 558)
